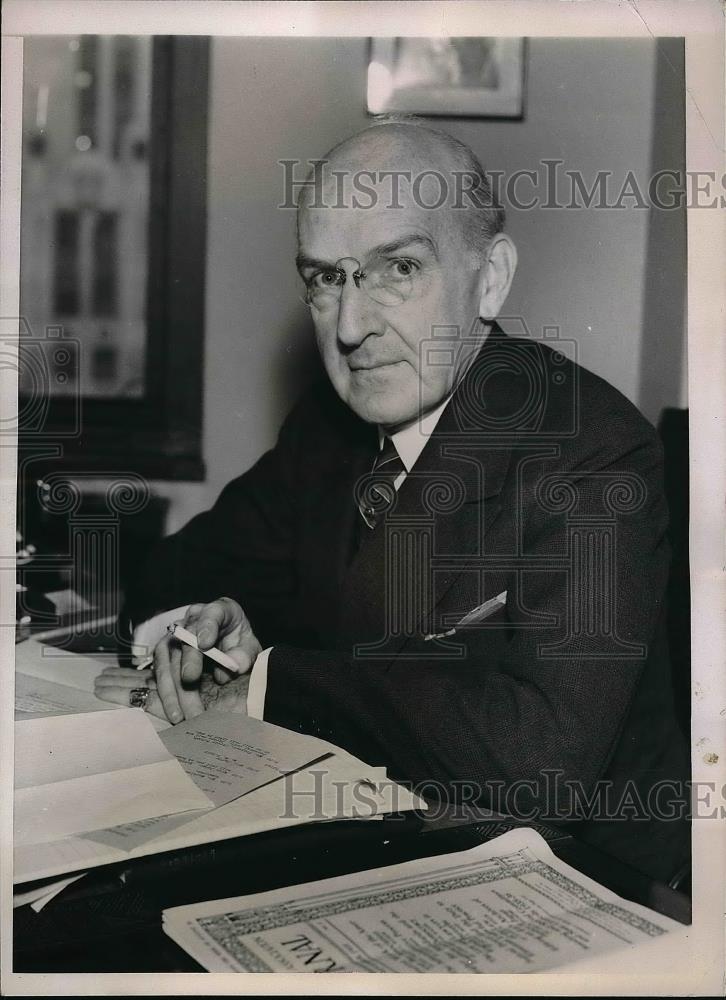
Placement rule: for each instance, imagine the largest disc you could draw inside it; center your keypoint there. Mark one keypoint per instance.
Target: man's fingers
(120, 672)
(116, 683)
(187, 692)
(154, 707)
(207, 623)
(192, 664)
(119, 695)
(179, 668)
(224, 624)
(204, 618)
(215, 620)
(245, 653)
(165, 683)
(122, 677)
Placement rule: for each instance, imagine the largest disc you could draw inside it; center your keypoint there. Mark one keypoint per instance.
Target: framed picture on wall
(472, 77)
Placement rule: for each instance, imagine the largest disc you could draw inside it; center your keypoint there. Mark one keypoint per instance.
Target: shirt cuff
(258, 685)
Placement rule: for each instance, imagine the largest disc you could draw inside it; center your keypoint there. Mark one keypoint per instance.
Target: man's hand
(115, 684)
(180, 688)
(178, 668)
(231, 697)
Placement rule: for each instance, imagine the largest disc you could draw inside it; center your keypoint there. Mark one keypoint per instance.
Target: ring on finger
(138, 697)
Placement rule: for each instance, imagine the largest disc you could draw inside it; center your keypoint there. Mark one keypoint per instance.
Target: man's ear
(498, 273)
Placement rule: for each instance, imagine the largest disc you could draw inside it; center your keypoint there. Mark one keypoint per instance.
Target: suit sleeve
(242, 548)
(503, 719)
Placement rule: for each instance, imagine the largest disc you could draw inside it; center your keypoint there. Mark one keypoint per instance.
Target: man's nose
(356, 315)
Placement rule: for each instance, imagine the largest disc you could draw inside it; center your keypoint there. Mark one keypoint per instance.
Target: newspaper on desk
(508, 906)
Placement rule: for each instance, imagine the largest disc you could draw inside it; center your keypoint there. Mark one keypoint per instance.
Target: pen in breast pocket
(184, 635)
(472, 617)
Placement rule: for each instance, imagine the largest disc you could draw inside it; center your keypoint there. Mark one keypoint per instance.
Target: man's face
(373, 351)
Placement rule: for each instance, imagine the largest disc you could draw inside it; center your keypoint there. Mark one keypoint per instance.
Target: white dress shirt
(410, 442)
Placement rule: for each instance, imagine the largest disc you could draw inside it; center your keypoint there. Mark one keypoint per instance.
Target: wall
(590, 103)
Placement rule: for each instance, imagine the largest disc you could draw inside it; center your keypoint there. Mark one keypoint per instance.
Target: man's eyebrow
(411, 239)
(302, 260)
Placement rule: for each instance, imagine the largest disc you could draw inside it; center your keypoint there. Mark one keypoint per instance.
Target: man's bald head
(395, 160)
(399, 239)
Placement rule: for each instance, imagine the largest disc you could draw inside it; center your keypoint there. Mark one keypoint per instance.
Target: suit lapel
(408, 564)
(329, 520)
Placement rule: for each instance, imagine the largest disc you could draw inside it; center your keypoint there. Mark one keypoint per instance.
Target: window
(113, 253)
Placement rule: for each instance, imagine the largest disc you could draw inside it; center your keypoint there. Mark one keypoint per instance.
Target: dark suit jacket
(540, 480)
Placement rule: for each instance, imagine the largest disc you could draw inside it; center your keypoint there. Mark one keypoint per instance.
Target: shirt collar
(411, 440)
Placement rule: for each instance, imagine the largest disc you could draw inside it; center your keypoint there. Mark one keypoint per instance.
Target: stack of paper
(232, 758)
(507, 906)
(247, 776)
(52, 681)
(229, 755)
(337, 788)
(78, 773)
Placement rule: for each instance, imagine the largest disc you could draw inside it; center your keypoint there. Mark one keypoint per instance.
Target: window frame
(158, 436)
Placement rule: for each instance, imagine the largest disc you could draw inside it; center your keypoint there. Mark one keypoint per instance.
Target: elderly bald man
(453, 562)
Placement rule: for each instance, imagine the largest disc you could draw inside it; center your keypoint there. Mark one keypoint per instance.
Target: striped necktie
(380, 490)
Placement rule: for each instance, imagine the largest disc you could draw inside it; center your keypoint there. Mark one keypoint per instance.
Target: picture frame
(480, 77)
